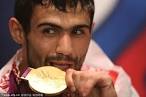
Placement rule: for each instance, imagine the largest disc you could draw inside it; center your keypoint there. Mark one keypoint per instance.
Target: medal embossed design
(47, 80)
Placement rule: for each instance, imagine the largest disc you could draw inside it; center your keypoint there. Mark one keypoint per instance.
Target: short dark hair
(24, 8)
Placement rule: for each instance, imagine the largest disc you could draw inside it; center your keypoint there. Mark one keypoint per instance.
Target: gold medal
(47, 80)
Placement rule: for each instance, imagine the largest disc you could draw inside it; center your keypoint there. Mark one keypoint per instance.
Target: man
(56, 33)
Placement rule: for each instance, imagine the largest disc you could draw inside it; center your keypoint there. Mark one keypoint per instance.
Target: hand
(90, 83)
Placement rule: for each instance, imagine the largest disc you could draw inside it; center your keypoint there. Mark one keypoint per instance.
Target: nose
(65, 45)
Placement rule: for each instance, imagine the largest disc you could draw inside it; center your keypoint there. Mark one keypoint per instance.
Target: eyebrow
(57, 26)
(49, 24)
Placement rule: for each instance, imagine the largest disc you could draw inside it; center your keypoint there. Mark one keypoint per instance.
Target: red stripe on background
(133, 60)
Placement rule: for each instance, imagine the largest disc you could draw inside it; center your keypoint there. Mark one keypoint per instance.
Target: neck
(23, 61)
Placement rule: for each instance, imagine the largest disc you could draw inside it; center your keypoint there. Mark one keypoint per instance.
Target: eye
(78, 32)
(50, 31)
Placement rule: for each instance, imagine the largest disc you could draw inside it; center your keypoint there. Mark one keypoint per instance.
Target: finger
(103, 79)
(78, 83)
(76, 79)
(69, 80)
(106, 86)
(82, 82)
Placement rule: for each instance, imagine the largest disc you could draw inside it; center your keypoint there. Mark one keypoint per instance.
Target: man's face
(57, 38)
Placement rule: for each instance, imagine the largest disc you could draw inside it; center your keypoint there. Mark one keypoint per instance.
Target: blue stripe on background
(126, 22)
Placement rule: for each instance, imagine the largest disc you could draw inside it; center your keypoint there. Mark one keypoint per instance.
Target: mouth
(63, 65)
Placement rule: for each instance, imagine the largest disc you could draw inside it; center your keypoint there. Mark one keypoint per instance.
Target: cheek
(81, 47)
(39, 49)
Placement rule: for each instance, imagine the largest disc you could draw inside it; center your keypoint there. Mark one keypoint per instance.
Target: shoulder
(5, 75)
(4, 78)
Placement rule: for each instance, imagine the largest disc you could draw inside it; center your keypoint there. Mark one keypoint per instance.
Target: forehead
(44, 14)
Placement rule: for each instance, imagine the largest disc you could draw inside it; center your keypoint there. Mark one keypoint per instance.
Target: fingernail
(84, 95)
(73, 89)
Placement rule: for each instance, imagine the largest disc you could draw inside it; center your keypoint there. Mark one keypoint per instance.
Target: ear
(16, 31)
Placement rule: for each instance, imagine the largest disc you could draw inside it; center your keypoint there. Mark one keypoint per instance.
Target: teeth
(60, 66)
